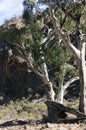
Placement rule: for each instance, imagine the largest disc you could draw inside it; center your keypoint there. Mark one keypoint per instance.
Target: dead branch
(72, 120)
(57, 111)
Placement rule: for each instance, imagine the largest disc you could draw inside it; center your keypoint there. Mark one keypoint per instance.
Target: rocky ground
(47, 127)
(31, 111)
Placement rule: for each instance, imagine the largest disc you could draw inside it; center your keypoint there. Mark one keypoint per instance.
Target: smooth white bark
(82, 70)
(61, 93)
(49, 87)
(64, 87)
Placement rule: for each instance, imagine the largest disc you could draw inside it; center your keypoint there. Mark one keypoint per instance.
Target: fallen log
(15, 122)
(57, 111)
(8, 123)
(72, 120)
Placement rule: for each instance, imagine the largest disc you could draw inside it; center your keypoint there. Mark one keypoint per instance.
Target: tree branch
(62, 36)
(70, 81)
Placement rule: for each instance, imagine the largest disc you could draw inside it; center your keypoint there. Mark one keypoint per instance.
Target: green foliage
(11, 102)
(4, 112)
(37, 96)
(71, 16)
(19, 110)
(13, 34)
(56, 54)
(31, 2)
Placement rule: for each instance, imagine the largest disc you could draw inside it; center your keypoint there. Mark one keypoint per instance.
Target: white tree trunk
(82, 75)
(49, 87)
(64, 87)
(61, 94)
(43, 75)
(43, 72)
(61, 81)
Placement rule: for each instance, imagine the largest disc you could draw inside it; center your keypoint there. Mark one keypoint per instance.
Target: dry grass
(25, 110)
(22, 109)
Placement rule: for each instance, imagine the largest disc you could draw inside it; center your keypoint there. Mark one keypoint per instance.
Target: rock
(52, 126)
(14, 23)
(74, 126)
(25, 127)
(63, 128)
(48, 125)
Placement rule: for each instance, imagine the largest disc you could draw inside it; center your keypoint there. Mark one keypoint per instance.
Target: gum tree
(73, 36)
(68, 20)
(43, 38)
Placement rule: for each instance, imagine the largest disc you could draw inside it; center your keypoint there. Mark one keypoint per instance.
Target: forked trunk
(64, 87)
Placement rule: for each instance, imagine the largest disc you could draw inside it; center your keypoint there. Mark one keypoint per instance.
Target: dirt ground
(47, 126)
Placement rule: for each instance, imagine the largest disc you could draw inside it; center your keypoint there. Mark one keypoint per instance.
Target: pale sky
(9, 9)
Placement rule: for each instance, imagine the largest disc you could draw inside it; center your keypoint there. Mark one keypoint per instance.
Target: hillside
(14, 23)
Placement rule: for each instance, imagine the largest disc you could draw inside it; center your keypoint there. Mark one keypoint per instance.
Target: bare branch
(70, 81)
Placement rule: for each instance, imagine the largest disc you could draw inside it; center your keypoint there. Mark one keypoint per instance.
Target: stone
(63, 128)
